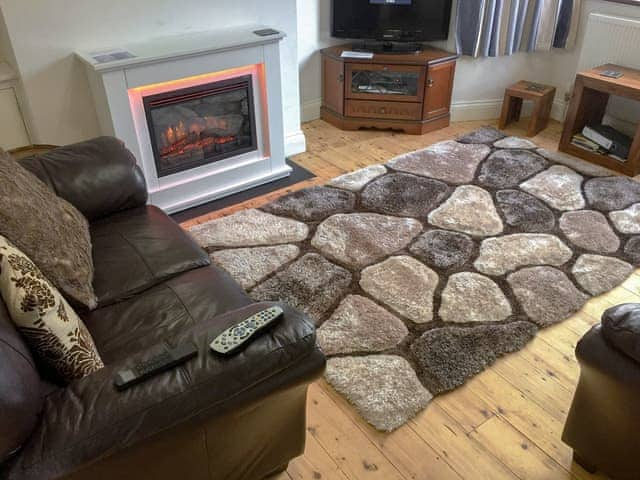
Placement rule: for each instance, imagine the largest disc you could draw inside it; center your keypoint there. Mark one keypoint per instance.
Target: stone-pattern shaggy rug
(421, 273)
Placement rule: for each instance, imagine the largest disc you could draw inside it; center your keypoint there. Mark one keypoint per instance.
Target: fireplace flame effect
(179, 139)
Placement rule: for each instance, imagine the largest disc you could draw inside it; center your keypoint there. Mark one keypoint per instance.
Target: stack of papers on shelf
(579, 140)
(616, 143)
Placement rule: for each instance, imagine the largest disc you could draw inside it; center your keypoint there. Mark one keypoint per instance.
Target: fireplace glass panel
(200, 125)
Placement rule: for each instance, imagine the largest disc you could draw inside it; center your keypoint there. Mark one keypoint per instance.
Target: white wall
(45, 33)
(14, 131)
(314, 33)
(6, 53)
(479, 84)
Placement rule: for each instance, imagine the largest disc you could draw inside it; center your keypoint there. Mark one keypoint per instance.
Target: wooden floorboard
(505, 423)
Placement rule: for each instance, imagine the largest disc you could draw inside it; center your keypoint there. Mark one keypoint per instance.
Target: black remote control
(160, 363)
(230, 341)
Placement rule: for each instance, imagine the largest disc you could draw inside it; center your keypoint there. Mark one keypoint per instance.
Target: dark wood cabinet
(409, 92)
(333, 84)
(439, 87)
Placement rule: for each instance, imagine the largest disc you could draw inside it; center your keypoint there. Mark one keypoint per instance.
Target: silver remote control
(233, 337)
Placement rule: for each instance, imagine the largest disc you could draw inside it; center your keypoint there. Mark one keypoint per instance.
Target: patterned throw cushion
(48, 229)
(55, 333)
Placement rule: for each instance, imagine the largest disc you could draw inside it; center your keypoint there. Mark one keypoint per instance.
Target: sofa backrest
(21, 388)
(98, 177)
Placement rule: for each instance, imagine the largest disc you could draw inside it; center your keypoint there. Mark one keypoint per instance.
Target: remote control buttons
(229, 340)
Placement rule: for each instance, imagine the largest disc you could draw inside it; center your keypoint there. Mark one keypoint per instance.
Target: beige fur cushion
(55, 333)
(48, 229)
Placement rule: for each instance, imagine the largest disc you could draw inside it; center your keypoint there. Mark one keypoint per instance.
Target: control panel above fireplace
(202, 124)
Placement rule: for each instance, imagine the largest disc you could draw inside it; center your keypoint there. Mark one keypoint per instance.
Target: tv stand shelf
(409, 92)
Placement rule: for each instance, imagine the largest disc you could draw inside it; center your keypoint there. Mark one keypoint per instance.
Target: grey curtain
(490, 28)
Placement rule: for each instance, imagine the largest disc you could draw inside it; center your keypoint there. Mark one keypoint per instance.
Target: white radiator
(610, 39)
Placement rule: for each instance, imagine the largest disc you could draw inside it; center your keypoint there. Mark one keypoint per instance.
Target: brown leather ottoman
(604, 419)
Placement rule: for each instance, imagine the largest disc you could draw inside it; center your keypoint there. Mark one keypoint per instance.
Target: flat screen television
(392, 20)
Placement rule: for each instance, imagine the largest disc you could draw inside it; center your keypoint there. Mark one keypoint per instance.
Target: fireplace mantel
(182, 46)
(162, 64)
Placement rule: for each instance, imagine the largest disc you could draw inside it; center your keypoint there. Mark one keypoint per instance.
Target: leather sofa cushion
(99, 176)
(621, 328)
(21, 390)
(50, 230)
(91, 419)
(138, 248)
(163, 312)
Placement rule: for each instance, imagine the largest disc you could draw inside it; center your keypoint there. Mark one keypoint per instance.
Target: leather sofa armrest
(596, 354)
(99, 177)
(90, 419)
(603, 421)
(621, 328)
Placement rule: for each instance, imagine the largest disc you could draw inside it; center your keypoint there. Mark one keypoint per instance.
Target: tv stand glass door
(403, 83)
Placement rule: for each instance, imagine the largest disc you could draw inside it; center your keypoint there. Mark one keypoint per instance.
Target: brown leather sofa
(604, 419)
(241, 417)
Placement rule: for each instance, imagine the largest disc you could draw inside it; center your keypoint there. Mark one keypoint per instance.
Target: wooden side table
(542, 97)
(588, 105)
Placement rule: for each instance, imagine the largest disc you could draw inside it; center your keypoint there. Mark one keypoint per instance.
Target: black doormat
(299, 174)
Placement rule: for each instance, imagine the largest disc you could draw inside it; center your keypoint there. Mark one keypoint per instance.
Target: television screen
(392, 20)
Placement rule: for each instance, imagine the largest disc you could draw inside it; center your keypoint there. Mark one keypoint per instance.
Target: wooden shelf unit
(418, 112)
(588, 106)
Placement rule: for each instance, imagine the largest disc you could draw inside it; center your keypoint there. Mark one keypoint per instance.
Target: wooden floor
(505, 423)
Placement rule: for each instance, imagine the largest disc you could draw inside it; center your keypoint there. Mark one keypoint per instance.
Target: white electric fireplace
(201, 112)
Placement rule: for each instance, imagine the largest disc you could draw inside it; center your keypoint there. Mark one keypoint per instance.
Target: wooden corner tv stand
(409, 92)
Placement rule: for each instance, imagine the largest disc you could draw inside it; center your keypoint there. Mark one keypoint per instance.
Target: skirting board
(460, 111)
(491, 109)
(295, 143)
(310, 110)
